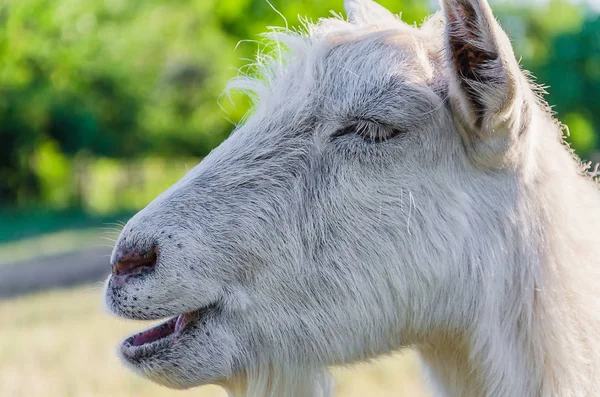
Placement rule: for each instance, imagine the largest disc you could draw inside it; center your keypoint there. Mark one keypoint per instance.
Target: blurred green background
(106, 103)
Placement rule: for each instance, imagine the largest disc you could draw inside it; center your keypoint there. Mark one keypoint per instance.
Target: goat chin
(266, 382)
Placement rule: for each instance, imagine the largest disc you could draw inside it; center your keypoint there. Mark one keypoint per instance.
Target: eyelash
(370, 131)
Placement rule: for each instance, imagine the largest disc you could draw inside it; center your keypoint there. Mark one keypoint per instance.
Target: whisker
(118, 224)
(410, 205)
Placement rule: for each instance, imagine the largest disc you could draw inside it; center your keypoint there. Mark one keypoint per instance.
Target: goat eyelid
(369, 130)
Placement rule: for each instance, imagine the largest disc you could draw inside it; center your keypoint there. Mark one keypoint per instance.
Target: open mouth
(147, 342)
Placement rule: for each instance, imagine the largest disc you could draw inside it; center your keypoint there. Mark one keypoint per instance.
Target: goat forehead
(373, 63)
(345, 74)
(365, 58)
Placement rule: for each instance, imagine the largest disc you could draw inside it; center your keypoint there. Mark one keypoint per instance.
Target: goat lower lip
(153, 334)
(147, 342)
(171, 327)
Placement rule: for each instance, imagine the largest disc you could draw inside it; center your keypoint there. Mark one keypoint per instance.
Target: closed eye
(369, 130)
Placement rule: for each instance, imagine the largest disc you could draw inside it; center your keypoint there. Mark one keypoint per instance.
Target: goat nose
(131, 262)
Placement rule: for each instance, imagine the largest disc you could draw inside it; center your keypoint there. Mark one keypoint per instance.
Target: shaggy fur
(394, 186)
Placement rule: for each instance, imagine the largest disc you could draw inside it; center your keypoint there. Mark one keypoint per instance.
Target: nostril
(133, 262)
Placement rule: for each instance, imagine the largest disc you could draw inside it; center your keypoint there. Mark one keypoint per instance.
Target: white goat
(395, 186)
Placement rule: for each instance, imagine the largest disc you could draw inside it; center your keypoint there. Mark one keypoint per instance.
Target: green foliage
(573, 73)
(560, 45)
(84, 81)
(106, 78)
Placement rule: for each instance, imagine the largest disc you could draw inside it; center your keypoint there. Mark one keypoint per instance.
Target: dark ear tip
(461, 11)
(467, 8)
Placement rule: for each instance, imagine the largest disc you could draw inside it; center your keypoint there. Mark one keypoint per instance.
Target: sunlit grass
(61, 344)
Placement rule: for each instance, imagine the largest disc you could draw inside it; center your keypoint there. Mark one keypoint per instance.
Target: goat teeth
(181, 323)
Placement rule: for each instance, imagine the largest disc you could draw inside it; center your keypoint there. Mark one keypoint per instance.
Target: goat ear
(485, 75)
(366, 12)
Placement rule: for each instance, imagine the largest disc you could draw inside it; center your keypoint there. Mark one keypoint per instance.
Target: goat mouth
(148, 342)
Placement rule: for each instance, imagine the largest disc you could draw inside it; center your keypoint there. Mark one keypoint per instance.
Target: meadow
(62, 344)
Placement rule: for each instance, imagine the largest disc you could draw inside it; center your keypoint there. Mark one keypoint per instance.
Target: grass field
(61, 344)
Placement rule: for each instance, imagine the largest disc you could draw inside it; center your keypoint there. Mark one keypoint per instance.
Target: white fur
(472, 235)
